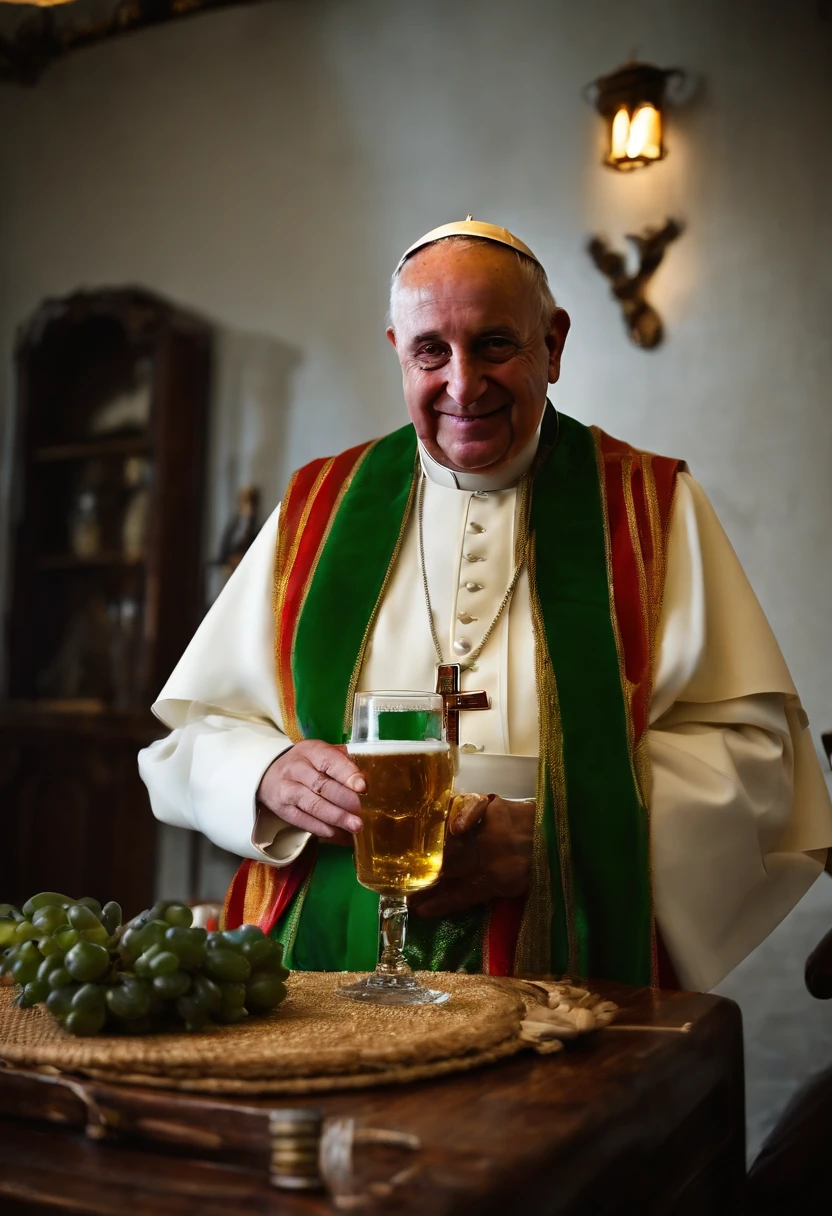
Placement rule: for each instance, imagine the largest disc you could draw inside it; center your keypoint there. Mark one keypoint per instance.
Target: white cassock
(740, 814)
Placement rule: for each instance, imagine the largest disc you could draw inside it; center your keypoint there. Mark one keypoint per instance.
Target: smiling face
(475, 352)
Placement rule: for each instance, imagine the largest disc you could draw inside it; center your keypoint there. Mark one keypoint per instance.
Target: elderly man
(645, 803)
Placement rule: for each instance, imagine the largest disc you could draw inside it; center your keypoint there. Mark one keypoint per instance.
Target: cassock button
(478, 528)
(473, 586)
(470, 748)
(480, 494)
(465, 618)
(473, 557)
(462, 646)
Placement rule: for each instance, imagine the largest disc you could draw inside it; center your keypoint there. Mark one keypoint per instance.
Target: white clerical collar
(500, 479)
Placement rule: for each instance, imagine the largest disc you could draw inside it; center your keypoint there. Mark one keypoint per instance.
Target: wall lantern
(632, 100)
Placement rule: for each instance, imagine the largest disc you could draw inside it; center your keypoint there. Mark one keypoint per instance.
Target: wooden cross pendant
(453, 700)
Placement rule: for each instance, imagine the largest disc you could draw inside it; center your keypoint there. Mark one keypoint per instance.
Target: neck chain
(520, 550)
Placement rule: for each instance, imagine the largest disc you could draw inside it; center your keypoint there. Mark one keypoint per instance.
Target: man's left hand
(488, 855)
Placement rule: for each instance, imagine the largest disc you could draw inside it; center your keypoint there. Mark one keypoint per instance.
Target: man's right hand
(315, 786)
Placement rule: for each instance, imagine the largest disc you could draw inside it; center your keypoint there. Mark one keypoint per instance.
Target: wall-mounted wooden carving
(644, 325)
(49, 33)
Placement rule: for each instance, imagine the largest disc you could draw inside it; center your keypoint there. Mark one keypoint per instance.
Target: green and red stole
(598, 527)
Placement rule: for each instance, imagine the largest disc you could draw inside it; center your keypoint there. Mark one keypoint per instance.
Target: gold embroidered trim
(283, 568)
(293, 920)
(258, 893)
(660, 533)
(638, 749)
(359, 662)
(626, 686)
(659, 564)
(637, 753)
(533, 952)
(284, 565)
(660, 536)
(486, 931)
(313, 569)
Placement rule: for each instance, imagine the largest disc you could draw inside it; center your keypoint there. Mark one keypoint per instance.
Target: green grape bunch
(156, 972)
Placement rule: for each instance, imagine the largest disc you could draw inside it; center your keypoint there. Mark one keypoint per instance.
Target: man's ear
(555, 341)
(391, 337)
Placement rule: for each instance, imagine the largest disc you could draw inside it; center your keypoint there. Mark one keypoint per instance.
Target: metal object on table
(309, 1153)
(339, 1138)
(295, 1138)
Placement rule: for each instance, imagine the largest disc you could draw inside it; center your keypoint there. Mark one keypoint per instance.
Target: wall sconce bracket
(644, 325)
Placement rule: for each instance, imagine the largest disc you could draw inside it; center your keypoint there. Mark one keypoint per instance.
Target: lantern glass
(645, 134)
(619, 136)
(635, 138)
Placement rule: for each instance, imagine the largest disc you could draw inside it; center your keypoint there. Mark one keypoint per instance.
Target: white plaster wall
(266, 166)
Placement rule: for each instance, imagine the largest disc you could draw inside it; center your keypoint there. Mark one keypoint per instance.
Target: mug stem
(392, 927)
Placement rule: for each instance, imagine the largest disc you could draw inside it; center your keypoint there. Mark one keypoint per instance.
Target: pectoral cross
(453, 700)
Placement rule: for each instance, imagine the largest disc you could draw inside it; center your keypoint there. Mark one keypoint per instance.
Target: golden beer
(404, 811)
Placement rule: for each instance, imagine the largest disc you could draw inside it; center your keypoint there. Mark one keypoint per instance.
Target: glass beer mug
(398, 744)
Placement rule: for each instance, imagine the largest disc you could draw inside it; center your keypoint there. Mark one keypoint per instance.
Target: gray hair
(532, 271)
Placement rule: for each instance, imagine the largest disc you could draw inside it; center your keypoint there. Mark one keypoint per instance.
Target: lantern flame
(637, 139)
(645, 137)
(620, 135)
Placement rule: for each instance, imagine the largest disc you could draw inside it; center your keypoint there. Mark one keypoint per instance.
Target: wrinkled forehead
(467, 255)
(474, 275)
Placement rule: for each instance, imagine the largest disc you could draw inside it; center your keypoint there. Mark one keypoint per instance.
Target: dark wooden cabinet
(106, 588)
(76, 816)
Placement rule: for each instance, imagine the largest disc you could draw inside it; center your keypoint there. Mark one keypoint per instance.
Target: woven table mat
(314, 1041)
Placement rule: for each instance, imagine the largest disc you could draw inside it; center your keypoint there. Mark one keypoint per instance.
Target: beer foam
(393, 747)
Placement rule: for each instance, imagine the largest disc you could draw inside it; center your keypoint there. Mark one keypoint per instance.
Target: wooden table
(626, 1120)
